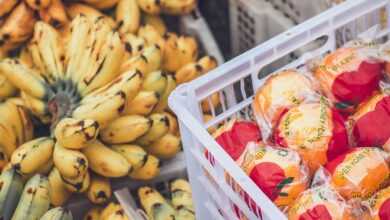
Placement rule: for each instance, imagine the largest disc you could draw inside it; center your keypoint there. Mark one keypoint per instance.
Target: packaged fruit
(360, 172)
(379, 205)
(278, 172)
(315, 130)
(279, 93)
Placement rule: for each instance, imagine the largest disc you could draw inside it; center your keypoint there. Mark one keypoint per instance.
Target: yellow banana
(118, 215)
(71, 164)
(128, 16)
(38, 4)
(179, 52)
(150, 6)
(6, 7)
(178, 7)
(17, 101)
(35, 199)
(171, 61)
(151, 35)
(37, 106)
(125, 129)
(173, 126)
(142, 104)
(93, 214)
(134, 45)
(3, 159)
(163, 103)
(155, 81)
(46, 168)
(6, 88)
(102, 4)
(134, 154)
(110, 209)
(195, 69)
(165, 147)
(58, 213)
(79, 184)
(149, 170)
(105, 161)
(11, 190)
(55, 14)
(206, 118)
(148, 61)
(215, 101)
(32, 155)
(8, 139)
(160, 127)
(25, 57)
(156, 21)
(91, 13)
(58, 193)
(73, 133)
(156, 207)
(181, 195)
(99, 191)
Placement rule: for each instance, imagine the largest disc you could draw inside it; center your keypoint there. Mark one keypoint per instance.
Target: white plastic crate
(220, 185)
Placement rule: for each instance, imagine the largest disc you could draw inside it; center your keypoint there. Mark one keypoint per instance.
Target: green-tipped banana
(156, 207)
(35, 200)
(10, 191)
(134, 154)
(181, 195)
(159, 128)
(58, 213)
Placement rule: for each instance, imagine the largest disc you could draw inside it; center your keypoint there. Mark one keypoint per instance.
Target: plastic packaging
(379, 205)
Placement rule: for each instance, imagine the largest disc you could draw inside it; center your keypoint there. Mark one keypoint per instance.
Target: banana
(159, 128)
(105, 161)
(178, 52)
(10, 191)
(128, 16)
(142, 104)
(71, 164)
(135, 155)
(173, 126)
(6, 7)
(3, 159)
(58, 192)
(125, 129)
(77, 185)
(214, 100)
(155, 81)
(102, 4)
(21, 77)
(73, 133)
(37, 106)
(134, 45)
(150, 6)
(35, 200)
(151, 35)
(17, 101)
(55, 14)
(156, 207)
(25, 57)
(17, 27)
(118, 215)
(32, 155)
(8, 139)
(163, 103)
(58, 213)
(178, 7)
(99, 191)
(181, 195)
(75, 9)
(110, 209)
(148, 171)
(38, 4)
(165, 147)
(148, 61)
(195, 69)
(156, 21)
(93, 214)
(7, 89)
(206, 118)
(46, 168)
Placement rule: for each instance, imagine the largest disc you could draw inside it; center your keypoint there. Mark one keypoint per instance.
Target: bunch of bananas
(113, 211)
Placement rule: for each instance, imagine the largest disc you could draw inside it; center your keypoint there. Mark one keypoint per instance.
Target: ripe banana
(159, 128)
(142, 104)
(163, 103)
(37, 106)
(6, 7)
(156, 21)
(71, 164)
(7, 89)
(3, 159)
(134, 154)
(125, 129)
(32, 155)
(99, 191)
(178, 7)
(148, 61)
(134, 45)
(150, 6)
(105, 161)
(165, 147)
(55, 14)
(195, 69)
(75, 9)
(58, 213)
(179, 52)
(102, 4)
(151, 35)
(148, 171)
(156, 207)
(46, 168)
(93, 214)
(118, 215)
(38, 4)
(77, 185)
(73, 133)
(58, 192)
(110, 209)
(128, 16)
(155, 81)
(35, 200)
(17, 101)
(181, 195)
(10, 191)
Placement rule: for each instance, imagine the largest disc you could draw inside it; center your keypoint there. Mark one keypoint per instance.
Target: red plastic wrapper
(315, 131)
(370, 123)
(360, 172)
(350, 74)
(280, 92)
(379, 205)
(279, 172)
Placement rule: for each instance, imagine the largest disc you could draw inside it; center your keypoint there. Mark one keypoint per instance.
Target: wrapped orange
(379, 205)
(370, 123)
(278, 172)
(279, 93)
(350, 74)
(320, 203)
(360, 172)
(315, 131)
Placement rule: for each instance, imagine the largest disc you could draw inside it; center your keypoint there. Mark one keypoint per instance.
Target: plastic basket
(221, 190)
(194, 25)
